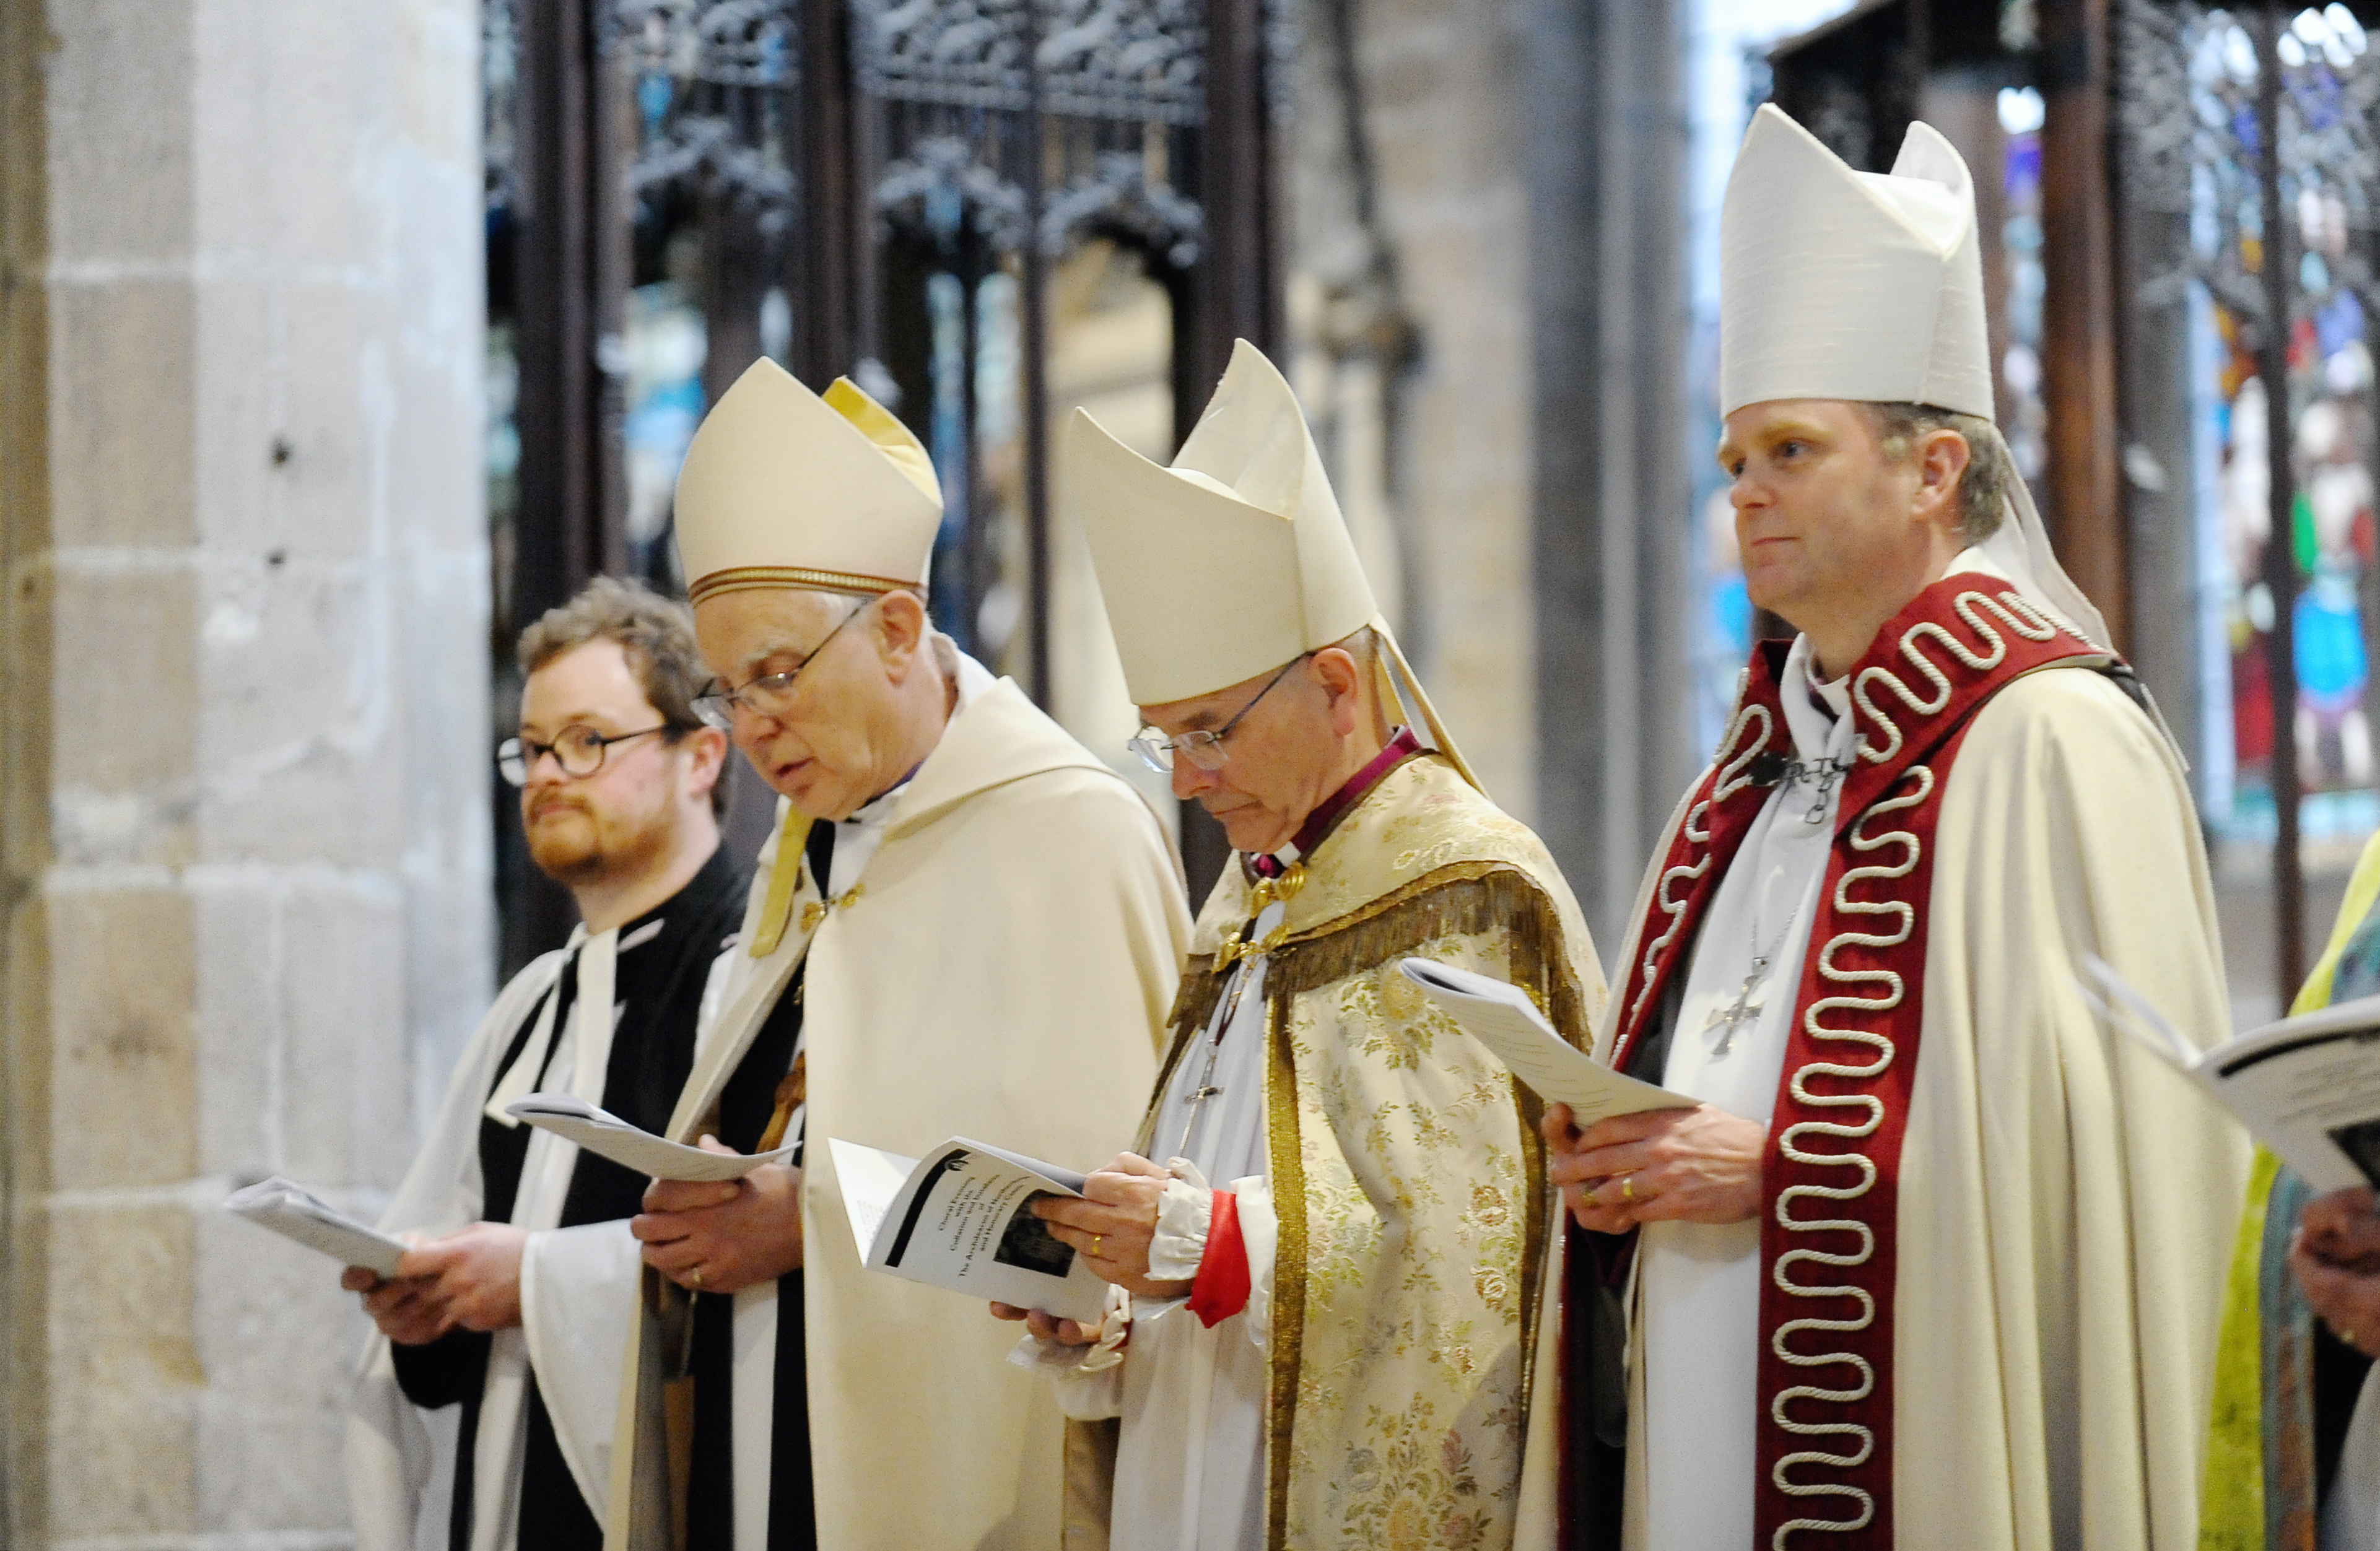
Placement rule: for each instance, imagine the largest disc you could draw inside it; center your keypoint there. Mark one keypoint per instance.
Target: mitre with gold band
(1842, 285)
(786, 487)
(1233, 560)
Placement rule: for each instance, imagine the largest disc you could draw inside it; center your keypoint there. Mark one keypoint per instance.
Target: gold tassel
(785, 878)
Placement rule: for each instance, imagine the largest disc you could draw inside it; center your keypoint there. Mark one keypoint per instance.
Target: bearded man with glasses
(498, 1317)
(966, 925)
(1323, 1248)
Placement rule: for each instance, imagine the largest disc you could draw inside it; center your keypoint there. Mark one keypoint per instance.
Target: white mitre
(785, 488)
(1235, 559)
(1869, 286)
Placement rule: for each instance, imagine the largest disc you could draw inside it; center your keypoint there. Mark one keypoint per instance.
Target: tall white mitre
(1868, 286)
(786, 487)
(1235, 560)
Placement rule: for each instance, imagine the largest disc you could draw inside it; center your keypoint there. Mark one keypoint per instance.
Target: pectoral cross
(1198, 1098)
(1742, 1011)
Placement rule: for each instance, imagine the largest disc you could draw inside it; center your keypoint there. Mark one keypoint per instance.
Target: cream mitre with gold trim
(1869, 286)
(1233, 560)
(786, 487)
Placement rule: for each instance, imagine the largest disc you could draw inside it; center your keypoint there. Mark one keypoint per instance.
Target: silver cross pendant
(1744, 1011)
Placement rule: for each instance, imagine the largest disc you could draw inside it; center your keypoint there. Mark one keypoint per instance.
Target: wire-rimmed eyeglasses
(1202, 748)
(577, 749)
(771, 695)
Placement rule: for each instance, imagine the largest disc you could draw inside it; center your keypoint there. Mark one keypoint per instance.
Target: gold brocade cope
(1404, 1162)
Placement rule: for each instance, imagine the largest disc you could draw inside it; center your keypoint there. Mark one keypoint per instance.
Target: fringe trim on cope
(1463, 899)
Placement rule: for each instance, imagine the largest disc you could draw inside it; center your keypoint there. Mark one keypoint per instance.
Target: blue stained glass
(654, 94)
(2329, 638)
(2340, 322)
(2023, 166)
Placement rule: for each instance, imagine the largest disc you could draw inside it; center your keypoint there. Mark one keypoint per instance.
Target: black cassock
(658, 984)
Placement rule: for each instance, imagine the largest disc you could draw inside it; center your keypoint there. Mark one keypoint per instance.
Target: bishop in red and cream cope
(1927, 1260)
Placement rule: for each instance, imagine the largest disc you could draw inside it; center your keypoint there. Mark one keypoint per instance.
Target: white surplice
(392, 1471)
(1701, 1281)
(1189, 1470)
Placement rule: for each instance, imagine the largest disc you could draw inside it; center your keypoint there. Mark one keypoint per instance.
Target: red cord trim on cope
(1220, 1288)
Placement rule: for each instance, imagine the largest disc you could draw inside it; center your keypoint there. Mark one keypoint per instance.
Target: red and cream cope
(1831, 1181)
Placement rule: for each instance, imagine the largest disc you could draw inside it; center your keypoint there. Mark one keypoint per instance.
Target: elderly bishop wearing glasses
(1323, 1247)
(966, 924)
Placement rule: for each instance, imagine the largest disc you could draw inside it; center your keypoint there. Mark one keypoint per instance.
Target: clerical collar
(1817, 713)
(875, 808)
(1319, 824)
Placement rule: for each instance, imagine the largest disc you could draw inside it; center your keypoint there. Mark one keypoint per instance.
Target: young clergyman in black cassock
(476, 1380)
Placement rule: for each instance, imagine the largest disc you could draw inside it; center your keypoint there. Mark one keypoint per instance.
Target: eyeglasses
(578, 750)
(771, 695)
(1202, 749)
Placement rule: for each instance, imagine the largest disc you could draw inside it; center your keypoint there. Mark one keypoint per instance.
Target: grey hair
(1983, 488)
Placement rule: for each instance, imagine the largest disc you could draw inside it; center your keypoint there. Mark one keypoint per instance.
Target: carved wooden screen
(983, 211)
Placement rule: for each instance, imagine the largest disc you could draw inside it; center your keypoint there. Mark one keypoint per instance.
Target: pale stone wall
(1441, 266)
(245, 780)
(1488, 312)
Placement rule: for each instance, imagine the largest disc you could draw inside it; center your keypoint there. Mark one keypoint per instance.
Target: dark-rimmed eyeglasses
(1202, 749)
(577, 750)
(771, 695)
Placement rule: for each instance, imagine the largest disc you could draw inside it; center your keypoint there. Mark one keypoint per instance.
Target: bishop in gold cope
(1324, 1246)
(966, 924)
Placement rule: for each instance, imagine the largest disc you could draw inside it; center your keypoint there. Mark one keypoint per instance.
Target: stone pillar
(1606, 142)
(1488, 297)
(243, 724)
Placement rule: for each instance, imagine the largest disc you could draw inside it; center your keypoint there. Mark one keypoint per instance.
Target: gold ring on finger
(1096, 1239)
(1628, 1189)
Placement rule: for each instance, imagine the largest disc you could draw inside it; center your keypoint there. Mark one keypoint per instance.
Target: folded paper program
(1503, 1017)
(607, 1135)
(296, 1213)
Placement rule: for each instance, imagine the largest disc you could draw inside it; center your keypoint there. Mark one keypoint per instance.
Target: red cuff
(1220, 1288)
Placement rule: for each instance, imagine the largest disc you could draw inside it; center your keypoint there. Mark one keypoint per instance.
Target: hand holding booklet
(1501, 1017)
(961, 1218)
(297, 1213)
(632, 1147)
(2307, 1087)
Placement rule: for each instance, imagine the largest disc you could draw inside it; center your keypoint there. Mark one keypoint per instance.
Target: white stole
(499, 1449)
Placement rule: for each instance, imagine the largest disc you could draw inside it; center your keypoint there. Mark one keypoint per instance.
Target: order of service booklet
(961, 1218)
(1501, 1016)
(632, 1147)
(294, 1212)
(2307, 1087)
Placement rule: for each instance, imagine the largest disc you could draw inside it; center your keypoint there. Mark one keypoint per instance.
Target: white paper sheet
(1501, 1017)
(961, 1219)
(607, 1135)
(2307, 1087)
(296, 1213)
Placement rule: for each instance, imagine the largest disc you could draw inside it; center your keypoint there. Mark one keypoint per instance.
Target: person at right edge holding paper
(1346, 1189)
(1938, 1262)
(2294, 1459)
